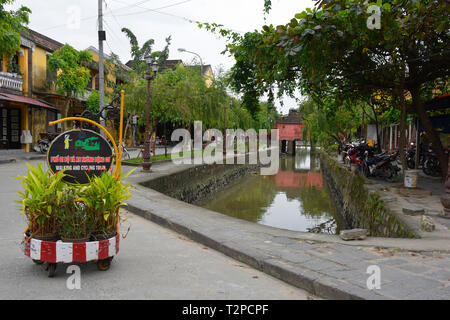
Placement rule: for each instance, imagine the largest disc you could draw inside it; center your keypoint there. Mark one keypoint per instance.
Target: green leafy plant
(103, 197)
(73, 212)
(14, 67)
(40, 199)
(72, 216)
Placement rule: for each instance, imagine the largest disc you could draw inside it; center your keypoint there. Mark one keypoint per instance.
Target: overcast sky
(75, 22)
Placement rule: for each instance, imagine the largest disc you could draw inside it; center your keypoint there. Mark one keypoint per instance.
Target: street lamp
(201, 61)
(153, 69)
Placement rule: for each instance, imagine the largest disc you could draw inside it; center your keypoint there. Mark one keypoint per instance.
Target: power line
(96, 16)
(171, 15)
(155, 9)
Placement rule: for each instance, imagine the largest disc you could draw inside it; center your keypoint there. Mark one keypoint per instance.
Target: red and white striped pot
(67, 252)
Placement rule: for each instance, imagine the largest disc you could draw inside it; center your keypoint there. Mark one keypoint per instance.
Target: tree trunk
(362, 126)
(432, 135)
(401, 96)
(377, 128)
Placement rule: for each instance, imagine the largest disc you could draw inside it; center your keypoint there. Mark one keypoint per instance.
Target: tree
(93, 102)
(139, 53)
(72, 76)
(12, 23)
(326, 120)
(329, 50)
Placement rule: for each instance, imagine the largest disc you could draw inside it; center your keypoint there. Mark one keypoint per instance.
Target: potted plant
(39, 201)
(103, 197)
(72, 217)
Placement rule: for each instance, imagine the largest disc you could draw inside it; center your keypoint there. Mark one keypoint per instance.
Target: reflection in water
(295, 198)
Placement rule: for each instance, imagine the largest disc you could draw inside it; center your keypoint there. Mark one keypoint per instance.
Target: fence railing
(11, 81)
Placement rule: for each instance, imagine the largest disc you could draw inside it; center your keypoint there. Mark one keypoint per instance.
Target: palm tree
(139, 53)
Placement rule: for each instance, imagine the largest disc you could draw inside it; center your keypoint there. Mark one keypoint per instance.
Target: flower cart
(54, 252)
(72, 208)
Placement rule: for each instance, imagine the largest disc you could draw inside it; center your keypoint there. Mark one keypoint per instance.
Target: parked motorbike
(431, 164)
(380, 165)
(355, 153)
(411, 156)
(43, 145)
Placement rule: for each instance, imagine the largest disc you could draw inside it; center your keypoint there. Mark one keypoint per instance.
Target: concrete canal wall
(360, 206)
(195, 183)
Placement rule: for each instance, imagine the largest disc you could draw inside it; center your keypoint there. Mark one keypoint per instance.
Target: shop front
(16, 123)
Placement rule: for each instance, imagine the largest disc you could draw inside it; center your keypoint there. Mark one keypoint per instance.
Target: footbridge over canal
(290, 130)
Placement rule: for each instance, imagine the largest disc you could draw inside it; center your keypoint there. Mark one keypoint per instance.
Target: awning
(27, 100)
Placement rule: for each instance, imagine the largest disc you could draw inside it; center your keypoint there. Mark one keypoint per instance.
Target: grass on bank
(162, 157)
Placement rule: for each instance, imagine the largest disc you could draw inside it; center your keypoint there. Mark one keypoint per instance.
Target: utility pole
(101, 80)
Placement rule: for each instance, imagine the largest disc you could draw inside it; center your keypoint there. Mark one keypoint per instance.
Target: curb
(5, 161)
(314, 284)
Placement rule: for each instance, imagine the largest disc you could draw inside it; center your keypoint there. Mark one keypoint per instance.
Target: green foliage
(12, 23)
(328, 121)
(51, 206)
(267, 6)
(41, 197)
(72, 75)
(93, 102)
(114, 66)
(13, 67)
(72, 216)
(139, 54)
(103, 197)
(328, 51)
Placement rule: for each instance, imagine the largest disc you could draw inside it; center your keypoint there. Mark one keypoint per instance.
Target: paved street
(323, 264)
(153, 263)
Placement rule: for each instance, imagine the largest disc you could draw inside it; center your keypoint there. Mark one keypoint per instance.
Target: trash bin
(411, 177)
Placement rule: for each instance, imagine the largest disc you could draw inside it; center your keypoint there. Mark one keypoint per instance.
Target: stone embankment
(360, 206)
(387, 209)
(197, 182)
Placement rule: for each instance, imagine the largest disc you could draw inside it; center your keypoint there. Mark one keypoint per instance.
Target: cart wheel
(51, 269)
(38, 261)
(104, 264)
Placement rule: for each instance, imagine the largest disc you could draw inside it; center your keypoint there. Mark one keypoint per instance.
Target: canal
(296, 198)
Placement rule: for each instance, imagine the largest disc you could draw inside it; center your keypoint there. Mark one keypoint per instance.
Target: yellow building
(28, 98)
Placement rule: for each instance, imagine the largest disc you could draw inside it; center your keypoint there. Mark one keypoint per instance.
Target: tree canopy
(72, 76)
(12, 23)
(331, 51)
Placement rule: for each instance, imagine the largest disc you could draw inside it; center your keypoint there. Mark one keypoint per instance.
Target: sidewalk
(20, 156)
(324, 265)
(421, 201)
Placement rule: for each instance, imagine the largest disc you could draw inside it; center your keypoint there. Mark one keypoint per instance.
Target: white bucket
(411, 177)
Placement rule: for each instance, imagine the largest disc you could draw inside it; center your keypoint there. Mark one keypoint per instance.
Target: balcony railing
(11, 81)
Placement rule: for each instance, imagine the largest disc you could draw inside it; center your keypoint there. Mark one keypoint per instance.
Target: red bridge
(290, 130)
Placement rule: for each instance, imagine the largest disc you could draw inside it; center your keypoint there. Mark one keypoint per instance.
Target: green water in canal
(296, 198)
